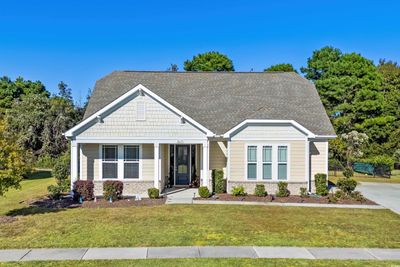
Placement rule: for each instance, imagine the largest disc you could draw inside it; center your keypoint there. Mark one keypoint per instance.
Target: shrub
(153, 192)
(112, 189)
(356, 195)
(303, 192)
(332, 199)
(84, 189)
(321, 184)
(55, 191)
(348, 172)
(339, 194)
(218, 181)
(282, 190)
(204, 192)
(238, 191)
(260, 190)
(347, 185)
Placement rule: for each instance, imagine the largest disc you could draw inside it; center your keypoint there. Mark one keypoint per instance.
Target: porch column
(156, 165)
(205, 163)
(74, 162)
(307, 164)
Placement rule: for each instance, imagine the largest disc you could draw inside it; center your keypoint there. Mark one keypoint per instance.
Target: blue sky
(78, 42)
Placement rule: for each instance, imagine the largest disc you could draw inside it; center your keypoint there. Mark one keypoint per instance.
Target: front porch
(141, 165)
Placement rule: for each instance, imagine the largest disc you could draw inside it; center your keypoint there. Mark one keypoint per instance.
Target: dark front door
(182, 167)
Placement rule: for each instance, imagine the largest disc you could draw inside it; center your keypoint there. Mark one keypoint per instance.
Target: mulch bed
(289, 199)
(102, 203)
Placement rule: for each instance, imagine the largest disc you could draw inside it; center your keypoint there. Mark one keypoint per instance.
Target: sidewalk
(198, 252)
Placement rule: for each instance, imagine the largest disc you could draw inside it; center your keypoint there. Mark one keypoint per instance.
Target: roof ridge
(204, 72)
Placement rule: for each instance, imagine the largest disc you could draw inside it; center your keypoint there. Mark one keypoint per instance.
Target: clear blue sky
(78, 42)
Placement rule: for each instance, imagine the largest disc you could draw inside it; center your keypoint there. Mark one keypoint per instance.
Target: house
(159, 129)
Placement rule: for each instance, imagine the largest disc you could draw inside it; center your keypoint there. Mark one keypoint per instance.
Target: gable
(155, 121)
(272, 131)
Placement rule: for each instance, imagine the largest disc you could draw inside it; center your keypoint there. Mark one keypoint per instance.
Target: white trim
(327, 160)
(80, 162)
(145, 140)
(275, 162)
(156, 147)
(228, 163)
(205, 160)
(229, 133)
(307, 165)
(70, 132)
(325, 136)
(74, 162)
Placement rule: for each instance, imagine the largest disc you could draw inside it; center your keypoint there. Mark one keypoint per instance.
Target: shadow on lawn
(39, 174)
(43, 206)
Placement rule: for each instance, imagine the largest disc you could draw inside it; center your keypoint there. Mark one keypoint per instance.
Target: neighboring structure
(158, 129)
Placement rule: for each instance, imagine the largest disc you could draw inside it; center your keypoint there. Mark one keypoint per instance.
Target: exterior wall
(217, 156)
(268, 132)
(148, 162)
(319, 156)
(89, 161)
(159, 122)
(274, 135)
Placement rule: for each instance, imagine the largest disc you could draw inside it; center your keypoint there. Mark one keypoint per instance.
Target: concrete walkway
(198, 252)
(385, 194)
(184, 196)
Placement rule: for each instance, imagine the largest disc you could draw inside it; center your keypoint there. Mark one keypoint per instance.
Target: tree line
(361, 99)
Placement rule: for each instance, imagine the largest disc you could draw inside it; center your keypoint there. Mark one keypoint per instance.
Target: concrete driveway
(387, 195)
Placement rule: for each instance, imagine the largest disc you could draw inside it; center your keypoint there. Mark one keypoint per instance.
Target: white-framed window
(141, 111)
(282, 162)
(252, 162)
(110, 162)
(131, 162)
(267, 163)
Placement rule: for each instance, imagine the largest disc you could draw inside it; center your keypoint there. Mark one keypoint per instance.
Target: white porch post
(205, 159)
(307, 163)
(156, 165)
(74, 162)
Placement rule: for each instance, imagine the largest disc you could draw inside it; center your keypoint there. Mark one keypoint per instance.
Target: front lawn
(186, 225)
(33, 187)
(208, 263)
(359, 177)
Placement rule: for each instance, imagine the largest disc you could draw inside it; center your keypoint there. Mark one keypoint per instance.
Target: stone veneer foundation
(270, 187)
(130, 187)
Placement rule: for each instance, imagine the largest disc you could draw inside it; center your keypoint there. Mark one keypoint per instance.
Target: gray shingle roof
(221, 100)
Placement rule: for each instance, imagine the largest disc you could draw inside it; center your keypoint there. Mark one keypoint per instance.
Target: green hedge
(321, 184)
(218, 182)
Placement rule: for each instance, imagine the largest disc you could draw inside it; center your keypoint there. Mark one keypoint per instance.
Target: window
(267, 162)
(282, 162)
(110, 162)
(131, 162)
(141, 111)
(251, 162)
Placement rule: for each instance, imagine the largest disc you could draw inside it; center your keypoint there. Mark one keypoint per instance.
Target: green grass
(186, 225)
(359, 177)
(206, 262)
(33, 187)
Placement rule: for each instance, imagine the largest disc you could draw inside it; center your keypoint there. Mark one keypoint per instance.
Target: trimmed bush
(218, 182)
(348, 172)
(260, 190)
(55, 191)
(356, 195)
(303, 192)
(238, 191)
(339, 194)
(321, 184)
(153, 192)
(84, 189)
(112, 189)
(347, 185)
(282, 190)
(204, 192)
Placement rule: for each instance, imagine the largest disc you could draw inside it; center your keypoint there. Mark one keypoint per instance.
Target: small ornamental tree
(321, 184)
(218, 181)
(84, 189)
(112, 189)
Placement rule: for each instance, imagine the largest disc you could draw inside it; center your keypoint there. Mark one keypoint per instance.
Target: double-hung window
(131, 162)
(267, 163)
(282, 162)
(252, 162)
(110, 161)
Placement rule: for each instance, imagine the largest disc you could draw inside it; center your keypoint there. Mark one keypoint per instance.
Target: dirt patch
(289, 199)
(7, 219)
(102, 203)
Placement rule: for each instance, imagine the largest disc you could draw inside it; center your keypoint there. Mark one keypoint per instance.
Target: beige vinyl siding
(318, 152)
(237, 161)
(148, 162)
(268, 132)
(89, 161)
(217, 156)
(297, 156)
(159, 122)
